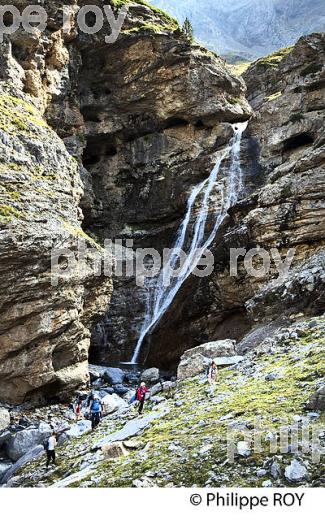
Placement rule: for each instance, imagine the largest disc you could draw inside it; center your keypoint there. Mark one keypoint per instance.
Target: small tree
(188, 30)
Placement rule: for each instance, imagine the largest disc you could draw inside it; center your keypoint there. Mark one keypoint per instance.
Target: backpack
(46, 445)
(96, 407)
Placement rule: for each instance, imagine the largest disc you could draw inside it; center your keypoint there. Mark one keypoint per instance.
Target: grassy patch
(168, 22)
(78, 232)
(286, 191)
(296, 117)
(274, 96)
(273, 60)
(17, 116)
(239, 68)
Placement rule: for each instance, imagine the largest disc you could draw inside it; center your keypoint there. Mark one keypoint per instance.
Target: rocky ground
(181, 439)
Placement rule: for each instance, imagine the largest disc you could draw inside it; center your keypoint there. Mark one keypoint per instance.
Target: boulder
(120, 389)
(133, 444)
(24, 440)
(195, 360)
(79, 428)
(32, 454)
(4, 467)
(131, 428)
(227, 360)
(114, 376)
(93, 374)
(275, 470)
(150, 375)
(113, 403)
(4, 437)
(4, 419)
(296, 471)
(106, 390)
(317, 400)
(132, 378)
(192, 366)
(166, 386)
(213, 349)
(114, 450)
(243, 449)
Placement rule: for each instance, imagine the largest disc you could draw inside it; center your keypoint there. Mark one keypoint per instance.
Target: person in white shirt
(212, 376)
(50, 452)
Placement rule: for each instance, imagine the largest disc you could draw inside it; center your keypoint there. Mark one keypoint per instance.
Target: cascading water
(193, 237)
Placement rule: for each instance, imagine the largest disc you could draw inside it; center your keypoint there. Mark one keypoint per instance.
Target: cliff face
(113, 136)
(156, 110)
(44, 328)
(283, 157)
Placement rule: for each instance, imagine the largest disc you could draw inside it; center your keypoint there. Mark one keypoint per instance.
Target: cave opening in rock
(297, 141)
(90, 156)
(175, 122)
(199, 124)
(91, 114)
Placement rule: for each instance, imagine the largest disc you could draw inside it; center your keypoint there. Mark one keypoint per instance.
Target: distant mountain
(248, 28)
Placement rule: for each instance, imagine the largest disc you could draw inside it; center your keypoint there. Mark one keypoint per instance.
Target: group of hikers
(94, 408)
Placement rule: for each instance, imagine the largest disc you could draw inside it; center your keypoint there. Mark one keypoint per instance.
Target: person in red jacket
(141, 396)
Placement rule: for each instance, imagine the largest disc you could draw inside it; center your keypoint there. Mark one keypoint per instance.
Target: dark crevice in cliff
(297, 141)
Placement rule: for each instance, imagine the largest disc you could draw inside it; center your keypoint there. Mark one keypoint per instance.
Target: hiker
(78, 409)
(90, 398)
(50, 449)
(212, 376)
(96, 411)
(141, 396)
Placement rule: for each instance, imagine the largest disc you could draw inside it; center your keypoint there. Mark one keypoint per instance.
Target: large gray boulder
(166, 387)
(79, 429)
(296, 471)
(195, 360)
(213, 349)
(131, 428)
(223, 361)
(32, 454)
(317, 400)
(4, 437)
(4, 418)
(4, 467)
(113, 403)
(113, 376)
(150, 375)
(23, 441)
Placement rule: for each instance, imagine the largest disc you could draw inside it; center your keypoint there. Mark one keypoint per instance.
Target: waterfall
(159, 294)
